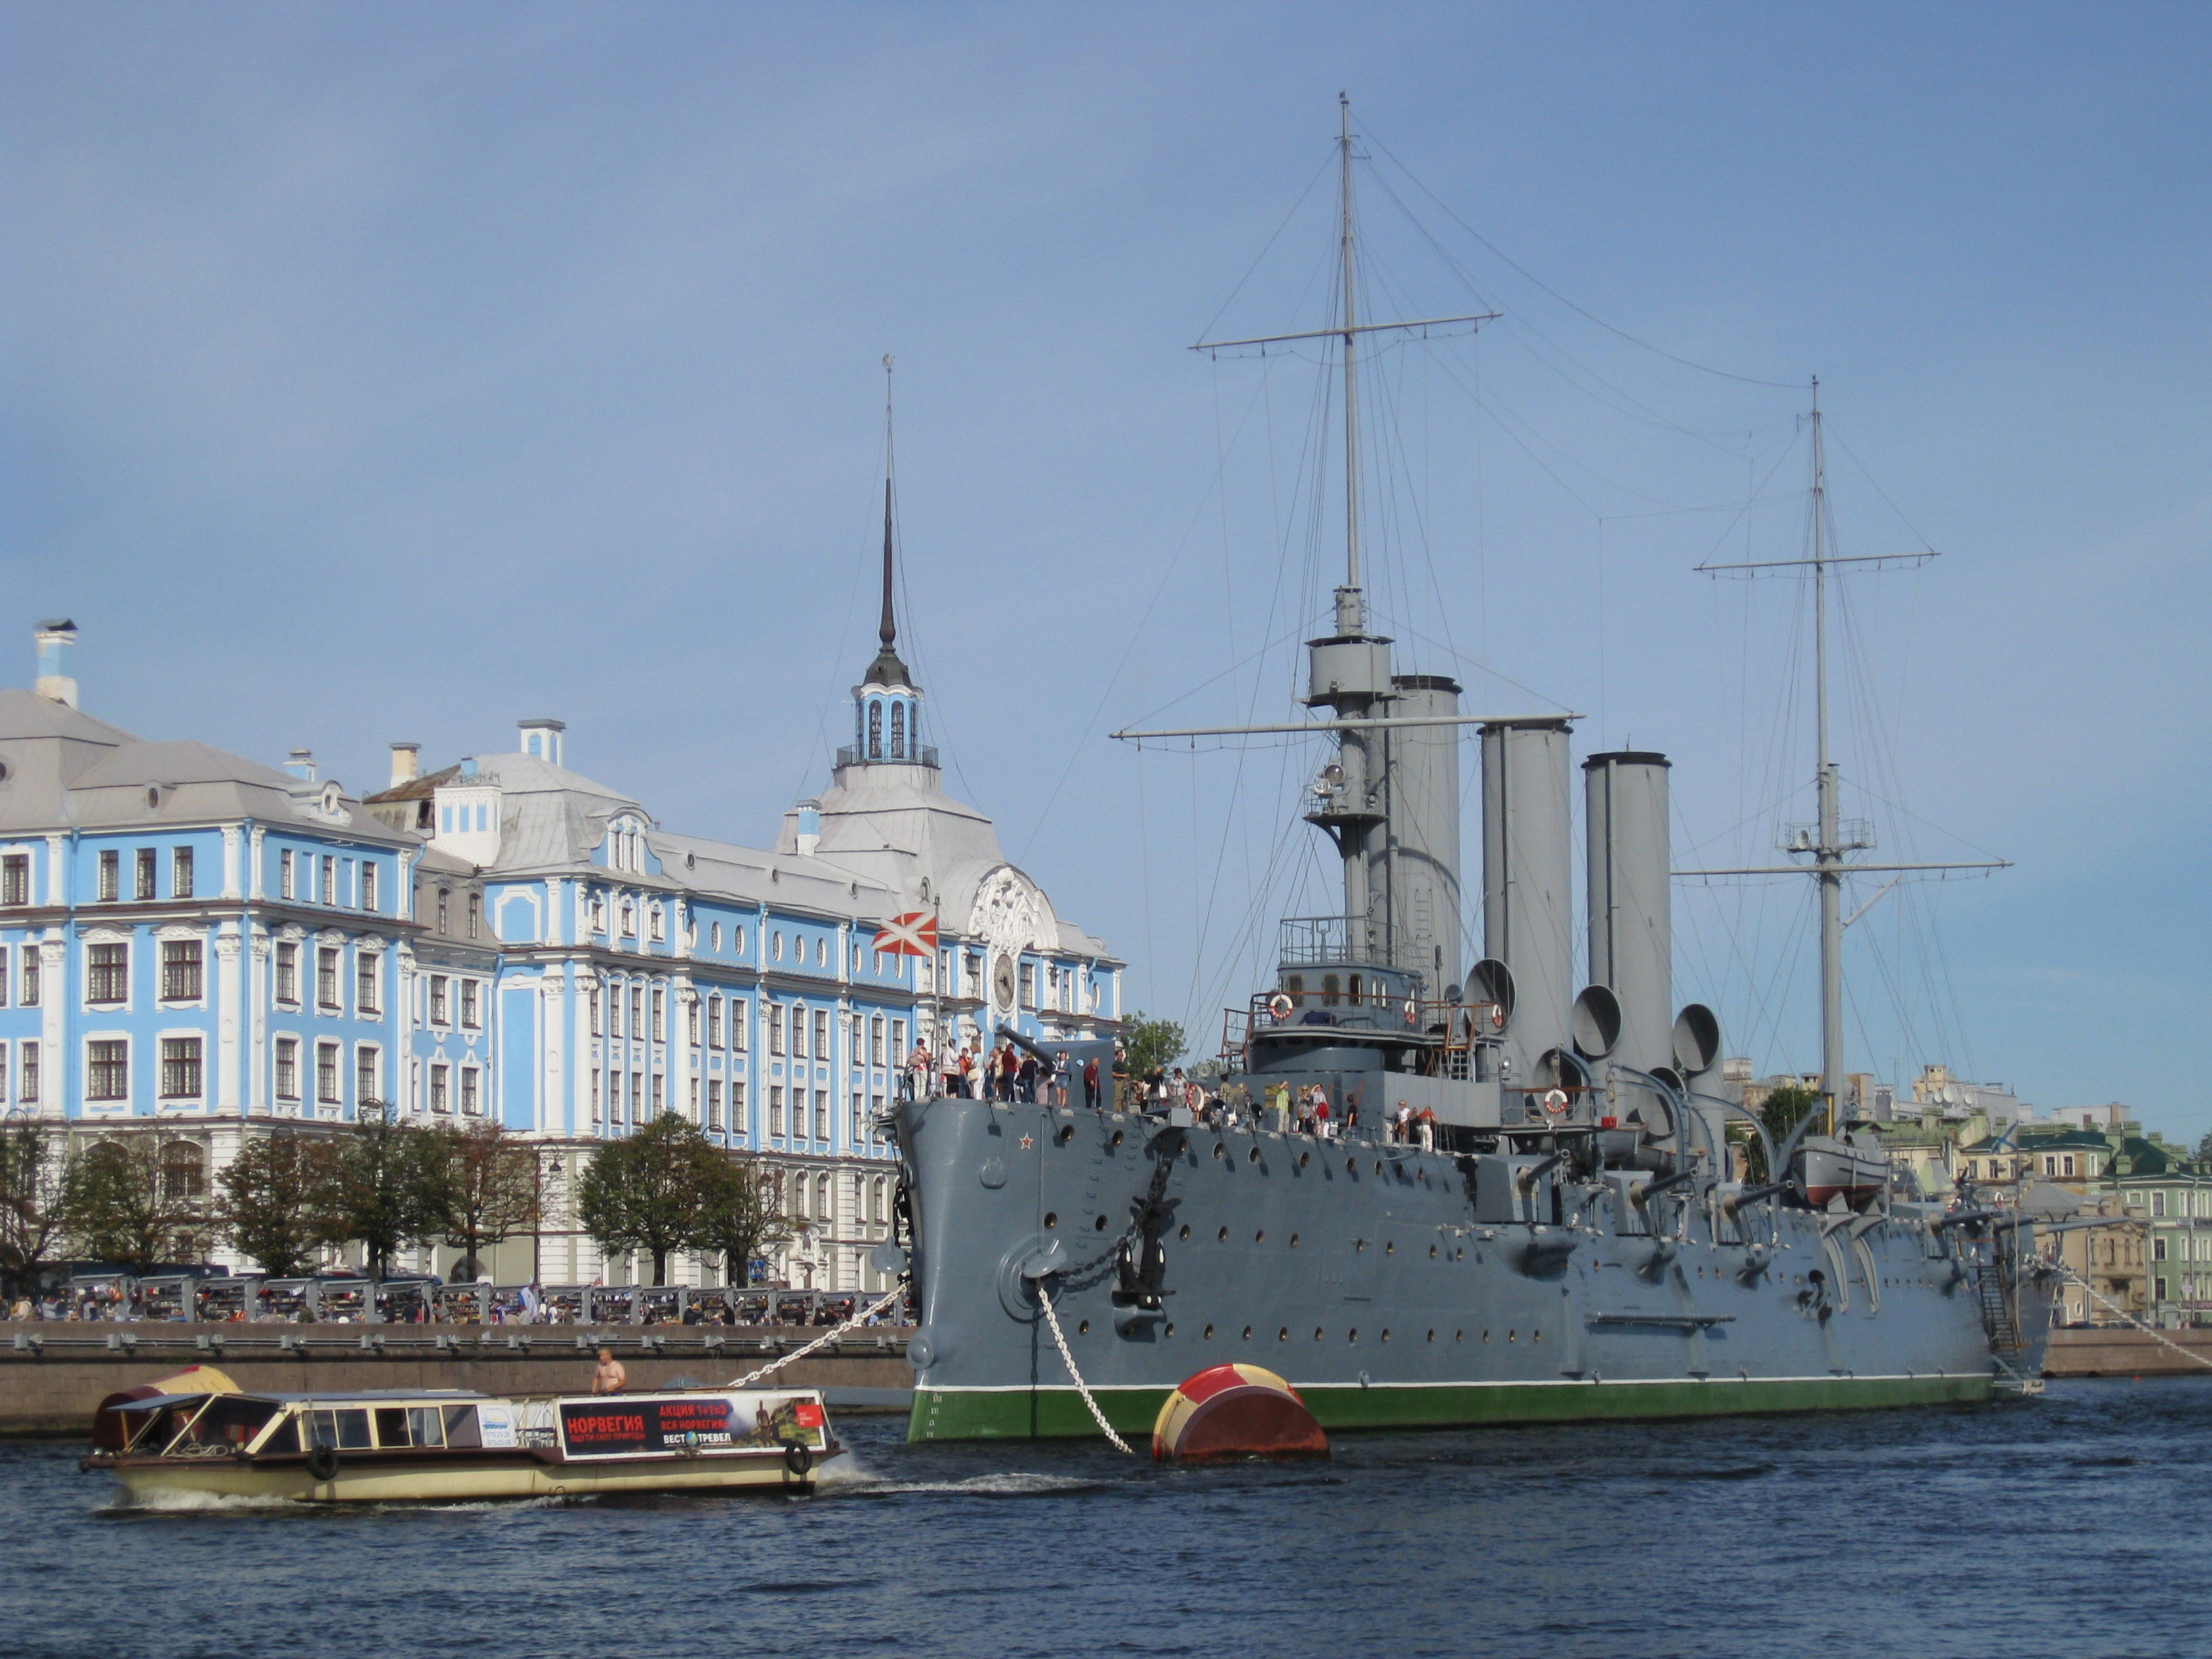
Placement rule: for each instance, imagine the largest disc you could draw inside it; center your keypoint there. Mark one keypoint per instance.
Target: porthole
(1304, 1158)
(1386, 1333)
(1294, 1241)
(1185, 1233)
(1223, 1236)
(1390, 1248)
(1116, 1139)
(1432, 1336)
(1252, 1155)
(1051, 1219)
(1247, 1332)
(1170, 1329)
(1432, 1253)
(1283, 1335)
(1459, 1254)
(1512, 1336)
(1458, 1335)
(1316, 1332)
(1351, 1166)
(1486, 1336)
(1358, 1245)
(1084, 1329)
(1378, 1166)
(1535, 1336)
(1209, 1333)
(1260, 1237)
(1352, 1335)
(1064, 1133)
(1099, 1226)
(1219, 1151)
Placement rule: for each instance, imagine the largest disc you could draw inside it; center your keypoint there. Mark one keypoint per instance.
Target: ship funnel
(1418, 869)
(1697, 1039)
(1630, 943)
(1527, 907)
(1597, 1022)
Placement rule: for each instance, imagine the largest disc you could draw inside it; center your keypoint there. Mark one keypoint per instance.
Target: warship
(1525, 1206)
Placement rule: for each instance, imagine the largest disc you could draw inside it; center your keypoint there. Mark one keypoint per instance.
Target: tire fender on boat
(798, 1459)
(323, 1463)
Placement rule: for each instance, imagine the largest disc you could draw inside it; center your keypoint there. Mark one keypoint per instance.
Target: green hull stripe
(1026, 1413)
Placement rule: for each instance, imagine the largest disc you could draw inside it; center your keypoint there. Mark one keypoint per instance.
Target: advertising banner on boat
(615, 1427)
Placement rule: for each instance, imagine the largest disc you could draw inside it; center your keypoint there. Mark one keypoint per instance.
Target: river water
(2080, 1523)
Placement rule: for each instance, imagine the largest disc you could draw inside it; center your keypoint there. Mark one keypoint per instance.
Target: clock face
(1002, 981)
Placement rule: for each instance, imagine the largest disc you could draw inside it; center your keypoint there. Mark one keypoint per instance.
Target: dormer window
(658, 921)
(598, 913)
(629, 919)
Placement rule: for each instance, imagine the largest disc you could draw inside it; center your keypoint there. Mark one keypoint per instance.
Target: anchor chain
(751, 1377)
(1051, 1320)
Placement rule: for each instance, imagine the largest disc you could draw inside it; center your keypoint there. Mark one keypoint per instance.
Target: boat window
(426, 1426)
(345, 1428)
(1329, 989)
(284, 1438)
(1294, 986)
(461, 1426)
(392, 1426)
(1353, 997)
(232, 1421)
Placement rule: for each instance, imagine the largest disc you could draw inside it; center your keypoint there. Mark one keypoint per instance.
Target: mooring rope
(751, 1377)
(2151, 1331)
(1051, 1320)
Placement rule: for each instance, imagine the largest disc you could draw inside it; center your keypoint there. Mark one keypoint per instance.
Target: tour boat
(199, 1434)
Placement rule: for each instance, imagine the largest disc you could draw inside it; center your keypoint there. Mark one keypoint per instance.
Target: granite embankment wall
(2123, 1351)
(54, 1374)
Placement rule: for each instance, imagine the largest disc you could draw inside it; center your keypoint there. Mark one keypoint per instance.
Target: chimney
(301, 765)
(56, 641)
(406, 763)
(540, 739)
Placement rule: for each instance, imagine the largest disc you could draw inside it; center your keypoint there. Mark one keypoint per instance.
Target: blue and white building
(193, 944)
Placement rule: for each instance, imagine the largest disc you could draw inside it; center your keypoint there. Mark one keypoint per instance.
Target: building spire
(887, 669)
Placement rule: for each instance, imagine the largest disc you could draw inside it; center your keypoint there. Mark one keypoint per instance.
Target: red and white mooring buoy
(1235, 1411)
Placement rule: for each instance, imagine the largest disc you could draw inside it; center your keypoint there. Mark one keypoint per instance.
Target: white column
(56, 860)
(253, 859)
(256, 1010)
(229, 1002)
(230, 888)
(553, 1095)
(53, 988)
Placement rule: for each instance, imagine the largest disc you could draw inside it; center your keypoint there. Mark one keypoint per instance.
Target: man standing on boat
(609, 1376)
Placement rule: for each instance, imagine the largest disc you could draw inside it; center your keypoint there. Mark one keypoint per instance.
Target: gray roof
(67, 770)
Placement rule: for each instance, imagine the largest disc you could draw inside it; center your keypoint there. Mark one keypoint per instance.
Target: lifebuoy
(323, 1463)
(1556, 1102)
(1496, 1016)
(1412, 1011)
(1279, 1006)
(798, 1458)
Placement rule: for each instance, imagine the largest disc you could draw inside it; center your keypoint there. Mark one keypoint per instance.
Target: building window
(599, 1110)
(898, 731)
(107, 1071)
(658, 920)
(821, 953)
(875, 1040)
(326, 1073)
(366, 999)
(367, 886)
(1029, 985)
(629, 919)
(875, 728)
(107, 974)
(691, 1022)
(637, 1012)
(713, 1022)
(27, 1075)
(471, 1016)
(2070, 1164)
(823, 1209)
(180, 1068)
(777, 948)
(110, 877)
(472, 1102)
(476, 914)
(822, 1114)
(366, 1087)
(2158, 1204)
(180, 970)
(441, 1085)
(659, 1027)
(737, 1106)
(693, 1105)
(776, 1108)
(798, 1033)
(180, 873)
(660, 1094)
(15, 879)
(637, 1096)
(598, 913)
(29, 999)
(326, 976)
(141, 874)
(284, 873)
(740, 1035)
(329, 879)
(3, 976)
(898, 1042)
(445, 909)
(440, 1012)
(183, 1172)
(822, 1049)
(288, 972)
(775, 1028)
(859, 1122)
(288, 1069)
(714, 1102)
(591, 1000)
(714, 936)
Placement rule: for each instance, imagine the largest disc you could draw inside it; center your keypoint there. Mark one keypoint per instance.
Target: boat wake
(854, 1479)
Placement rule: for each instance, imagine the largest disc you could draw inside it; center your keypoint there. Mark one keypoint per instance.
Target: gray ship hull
(1395, 1287)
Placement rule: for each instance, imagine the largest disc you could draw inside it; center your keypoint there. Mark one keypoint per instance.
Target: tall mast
(1828, 855)
(887, 631)
(1351, 376)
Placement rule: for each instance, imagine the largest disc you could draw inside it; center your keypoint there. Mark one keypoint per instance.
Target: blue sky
(394, 372)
